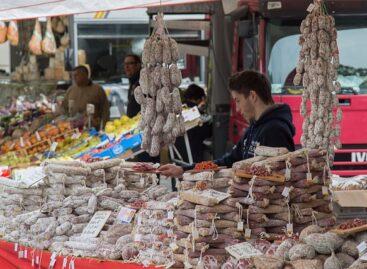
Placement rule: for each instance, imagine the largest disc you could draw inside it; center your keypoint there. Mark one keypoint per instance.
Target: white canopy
(27, 9)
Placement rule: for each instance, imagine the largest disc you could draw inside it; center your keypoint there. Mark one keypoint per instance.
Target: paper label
(76, 135)
(25, 254)
(195, 233)
(138, 238)
(20, 254)
(247, 233)
(64, 262)
(362, 247)
(16, 247)
(290, 229)
(173, 246)
(243, 251)
(169, 265)
(310, 8)
(32, 262)
(22, 142)
(287, 174)
(90, 109)
(37, 259)
(240, 226)
(126, 215)
(53, 147)
(191, 114)
(72, 264)
(170, 215)
(325, 191)
(96, 224)
(309, 177)
(286, 191)
(187, 265)
(219, 196)
(38, 137)
(274, 5)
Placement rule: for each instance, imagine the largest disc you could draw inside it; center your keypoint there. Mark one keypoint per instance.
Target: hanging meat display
(317, 72)
(158, 94)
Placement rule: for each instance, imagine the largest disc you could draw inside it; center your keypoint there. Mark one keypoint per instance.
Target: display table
(9, 258)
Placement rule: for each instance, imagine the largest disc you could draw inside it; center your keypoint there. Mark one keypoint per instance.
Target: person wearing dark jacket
(270, 124)
(132, 66)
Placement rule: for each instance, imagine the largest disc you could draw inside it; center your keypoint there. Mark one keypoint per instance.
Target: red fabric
(9, 260)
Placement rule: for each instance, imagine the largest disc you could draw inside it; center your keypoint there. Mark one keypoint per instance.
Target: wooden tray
(273, 177)
(350, 231)
(194, 171)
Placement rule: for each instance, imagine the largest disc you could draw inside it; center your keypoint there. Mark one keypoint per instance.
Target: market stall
(90, 208)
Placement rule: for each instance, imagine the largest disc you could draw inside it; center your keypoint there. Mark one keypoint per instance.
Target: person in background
(270, 124)
(132, 66)
(83, 92)
(195, 96)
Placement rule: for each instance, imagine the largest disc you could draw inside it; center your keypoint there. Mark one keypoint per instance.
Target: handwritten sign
(96, 224)
(219, 196)
(243, 251)
(126, 215)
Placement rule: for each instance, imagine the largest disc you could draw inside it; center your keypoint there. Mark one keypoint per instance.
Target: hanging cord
(213, 228)
(313, 216)
(250, 194)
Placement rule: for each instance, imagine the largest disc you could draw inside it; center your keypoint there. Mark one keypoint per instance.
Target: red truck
(268, 41)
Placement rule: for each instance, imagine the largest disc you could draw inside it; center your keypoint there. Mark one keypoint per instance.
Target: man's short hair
(194, 92)
(245, 81)
(82, 68)
(136, 57)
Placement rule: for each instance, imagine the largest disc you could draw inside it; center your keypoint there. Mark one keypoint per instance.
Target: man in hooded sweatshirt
(270, 124)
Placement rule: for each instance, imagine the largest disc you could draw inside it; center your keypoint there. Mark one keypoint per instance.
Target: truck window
(352, 73)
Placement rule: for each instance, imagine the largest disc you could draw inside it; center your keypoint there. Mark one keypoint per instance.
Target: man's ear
(253, 96)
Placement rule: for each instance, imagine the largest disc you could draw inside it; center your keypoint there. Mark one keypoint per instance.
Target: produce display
(158, 95)
(122, 125)
(274, 207)
(317, 71)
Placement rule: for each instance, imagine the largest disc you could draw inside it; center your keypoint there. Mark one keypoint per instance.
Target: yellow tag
(247, 233)
(240, 226)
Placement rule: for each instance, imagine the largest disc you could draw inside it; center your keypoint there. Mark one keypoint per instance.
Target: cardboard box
(350, 204)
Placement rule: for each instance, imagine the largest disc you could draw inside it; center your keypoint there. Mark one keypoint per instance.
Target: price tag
(25, 254)
(286, 191)
(287, 174)
(274, 5)
(138, 238)
(195, 233)
(309, 177)
(173, 246)
(38, 137)
(243, 251)
(90, 109)
(290, 229)
(32, 262)
(52, 260)
(126, 215)
(72, 264)
(64, 262)
(310, 8)
(76, 135)
(240, 226)
(169, 265)
(22, 142)
(37, 259)
(53, 146)
(16, 247)
(247, 233)
(325, 191)
(170, 215)
(96, 224)
(362, 247)
(20, 254)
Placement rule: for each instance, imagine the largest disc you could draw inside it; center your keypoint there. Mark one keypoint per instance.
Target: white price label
(37, 259)
(72, 264)
(38, 137)
(274, 5)
(53, 147)
(240, 226)
(32, 262)
(290, 229)
(96, 224)
(170, 215)
(64, 262)
(243, 251)
(285, 192)
(362, 247)
(187, 265)
(16, 247)
(20, 254)
(90, 109)
(310, 8)
(195, 233)
(173, 246)
(126, 215)
(247, 233)
(25, 254)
